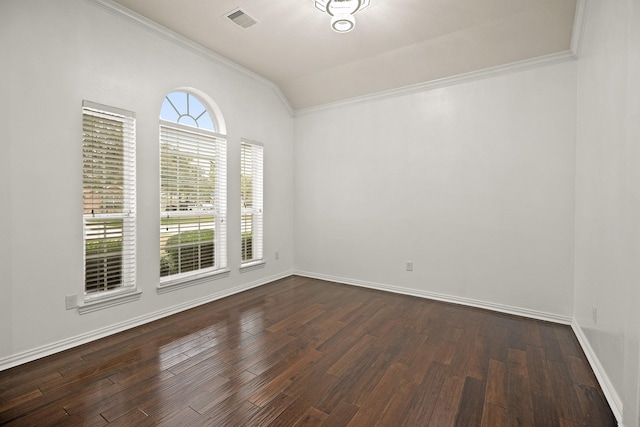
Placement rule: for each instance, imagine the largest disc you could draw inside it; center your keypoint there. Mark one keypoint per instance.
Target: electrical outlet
(71, 301)
(277, 256)
(409, 265)
(595, 314)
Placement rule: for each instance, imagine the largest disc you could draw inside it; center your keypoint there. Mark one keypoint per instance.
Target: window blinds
(109, 194)
(192, 200)
(251, 186)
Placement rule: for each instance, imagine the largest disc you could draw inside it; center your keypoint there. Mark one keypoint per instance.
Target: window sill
(98, 303)
(173, 284)
(250, 266)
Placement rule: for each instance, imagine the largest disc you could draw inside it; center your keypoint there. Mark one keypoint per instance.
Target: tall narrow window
(192, 190)
(251, 171)
(109, 193)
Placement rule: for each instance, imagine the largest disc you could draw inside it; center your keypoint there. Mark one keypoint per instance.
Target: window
(109, 199)
(251, 168)
(192, 190)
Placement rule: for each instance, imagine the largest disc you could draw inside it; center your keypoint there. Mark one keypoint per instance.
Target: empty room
(320, 212)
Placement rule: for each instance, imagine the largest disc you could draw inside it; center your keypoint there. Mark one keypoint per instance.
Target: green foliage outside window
(187, 251)
(247, 246)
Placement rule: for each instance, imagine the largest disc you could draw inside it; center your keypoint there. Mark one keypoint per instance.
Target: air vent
(241, 18)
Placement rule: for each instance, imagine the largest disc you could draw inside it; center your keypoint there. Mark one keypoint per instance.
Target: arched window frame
(193, 189)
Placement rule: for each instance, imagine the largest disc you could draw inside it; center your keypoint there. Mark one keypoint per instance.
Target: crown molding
(579, 23)
(554, 58)
(149, 25)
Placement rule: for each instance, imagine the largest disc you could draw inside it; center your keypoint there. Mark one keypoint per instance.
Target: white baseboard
(56, 347)
(609, 391)
(605, 383)
(518, 311)
(607, 387)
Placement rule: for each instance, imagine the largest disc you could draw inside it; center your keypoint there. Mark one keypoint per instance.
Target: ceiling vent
(241, 18)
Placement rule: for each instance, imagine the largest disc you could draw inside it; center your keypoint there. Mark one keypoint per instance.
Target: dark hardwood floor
(304, 352)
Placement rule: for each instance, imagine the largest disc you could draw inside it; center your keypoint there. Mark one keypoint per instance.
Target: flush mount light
(341, 12)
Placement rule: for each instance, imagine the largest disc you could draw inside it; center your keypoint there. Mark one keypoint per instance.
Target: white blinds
(251, 197)
(192, 200)
(109, 195)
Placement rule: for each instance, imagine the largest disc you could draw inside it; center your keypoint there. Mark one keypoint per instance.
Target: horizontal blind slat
(109, 199)
(192, 200)
(251, 167)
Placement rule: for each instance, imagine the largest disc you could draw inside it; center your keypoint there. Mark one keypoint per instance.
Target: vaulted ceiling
(396, 43)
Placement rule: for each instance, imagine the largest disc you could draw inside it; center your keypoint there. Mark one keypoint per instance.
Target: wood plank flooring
(304, 352)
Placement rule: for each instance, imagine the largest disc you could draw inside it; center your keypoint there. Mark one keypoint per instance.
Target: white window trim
(182, 280)
(115, 297)
(255, 263)
(128, 292)
(252, 265)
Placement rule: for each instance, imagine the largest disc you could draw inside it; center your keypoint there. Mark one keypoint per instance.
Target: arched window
(192, 189)
(185, 108)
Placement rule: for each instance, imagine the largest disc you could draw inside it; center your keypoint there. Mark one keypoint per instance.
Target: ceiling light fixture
(342, 11)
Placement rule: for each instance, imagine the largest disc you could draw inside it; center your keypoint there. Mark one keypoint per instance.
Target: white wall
(5, 194)
(59, 54)
(607, 270)
(474, 183)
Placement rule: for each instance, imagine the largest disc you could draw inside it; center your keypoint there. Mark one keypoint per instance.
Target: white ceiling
(395, 43)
